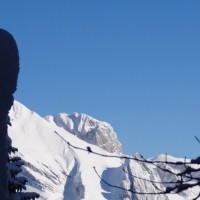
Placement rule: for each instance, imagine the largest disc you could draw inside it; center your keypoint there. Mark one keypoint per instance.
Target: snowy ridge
(58, 172)
(88, 129)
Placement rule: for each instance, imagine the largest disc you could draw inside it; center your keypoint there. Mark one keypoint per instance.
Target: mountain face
(57, 171)
(88, 129)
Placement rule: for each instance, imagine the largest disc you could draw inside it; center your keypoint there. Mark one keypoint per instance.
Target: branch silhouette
(130, 190)
(188, 178)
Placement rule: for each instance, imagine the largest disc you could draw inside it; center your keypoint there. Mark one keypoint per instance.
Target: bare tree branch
(185, 179)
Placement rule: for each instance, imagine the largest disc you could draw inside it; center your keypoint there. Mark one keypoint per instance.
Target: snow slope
(59, 172)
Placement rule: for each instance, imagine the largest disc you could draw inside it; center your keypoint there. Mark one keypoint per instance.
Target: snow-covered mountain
(88, 129)
(59, 172)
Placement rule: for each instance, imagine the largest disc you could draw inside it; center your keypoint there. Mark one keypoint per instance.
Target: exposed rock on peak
(88, 129)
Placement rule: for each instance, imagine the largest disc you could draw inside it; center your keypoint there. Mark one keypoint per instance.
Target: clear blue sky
(134, 64)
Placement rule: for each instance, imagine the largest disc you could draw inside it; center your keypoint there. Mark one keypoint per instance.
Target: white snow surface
(59, 172)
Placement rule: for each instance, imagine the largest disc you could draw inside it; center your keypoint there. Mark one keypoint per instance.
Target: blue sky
(133, 64)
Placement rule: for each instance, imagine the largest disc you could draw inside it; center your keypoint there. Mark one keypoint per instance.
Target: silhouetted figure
(9, 69)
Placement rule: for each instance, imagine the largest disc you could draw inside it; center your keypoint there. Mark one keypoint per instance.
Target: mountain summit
(88, 129)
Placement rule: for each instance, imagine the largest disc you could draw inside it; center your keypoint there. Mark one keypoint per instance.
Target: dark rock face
(9, 69)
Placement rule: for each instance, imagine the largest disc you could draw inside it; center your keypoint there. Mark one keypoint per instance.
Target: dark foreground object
(9, 69)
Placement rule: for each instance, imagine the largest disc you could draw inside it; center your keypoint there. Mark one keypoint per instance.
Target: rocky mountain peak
(88, 129)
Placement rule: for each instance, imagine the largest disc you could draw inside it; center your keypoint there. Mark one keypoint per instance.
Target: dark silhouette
(9, 69)
(11, 185)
